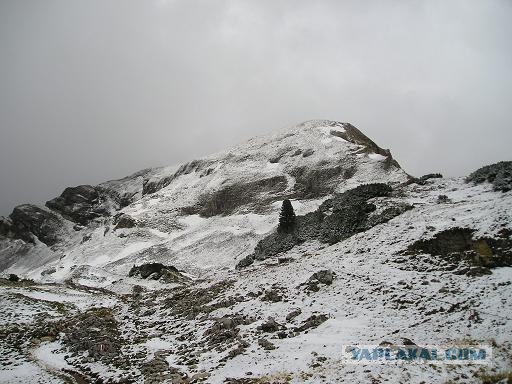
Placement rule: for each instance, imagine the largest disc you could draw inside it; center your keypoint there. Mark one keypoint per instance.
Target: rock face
(82, 204)
(259, 194)
(27, 221)
(460, 252)
(499, 174)
(354, 135)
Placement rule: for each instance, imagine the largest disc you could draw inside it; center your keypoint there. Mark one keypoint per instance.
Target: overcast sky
(95, 90)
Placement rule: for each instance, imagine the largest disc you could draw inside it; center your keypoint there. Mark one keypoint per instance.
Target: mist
(96, 90)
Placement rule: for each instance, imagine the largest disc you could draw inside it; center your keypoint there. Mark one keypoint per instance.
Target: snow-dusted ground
(375, 297)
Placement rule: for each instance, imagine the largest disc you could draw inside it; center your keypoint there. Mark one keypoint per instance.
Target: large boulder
(124, 221)
(158, 271)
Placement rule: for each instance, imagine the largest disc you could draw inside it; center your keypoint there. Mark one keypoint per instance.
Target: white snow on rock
(201, 218)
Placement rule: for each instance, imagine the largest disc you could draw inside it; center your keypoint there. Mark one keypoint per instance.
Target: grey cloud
(94, 90)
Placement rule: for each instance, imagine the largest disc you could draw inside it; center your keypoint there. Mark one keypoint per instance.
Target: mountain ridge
(179, 274)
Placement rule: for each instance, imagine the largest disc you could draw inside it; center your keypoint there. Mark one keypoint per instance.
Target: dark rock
(423, 179)
(96, 332)
(86, 238)
(188, 302)
(336, 219)
(499, 174)
(28, 220)
(308, 152)
(293, 314)
(354, 135)
(441, 199)
(270, 326)
(272, 295)
(458, 252)
(266, 345)
(245, 262)
(324, 276)
(154, 185)
(14, 278)
(311, 322)
(321, 181)
(48, 271)
(222, 331)
(82, 204)
(279, 155)
(406, 341)
(157, 271)
(124, 221)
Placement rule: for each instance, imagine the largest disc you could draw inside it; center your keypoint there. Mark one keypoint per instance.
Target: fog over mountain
(96, 90)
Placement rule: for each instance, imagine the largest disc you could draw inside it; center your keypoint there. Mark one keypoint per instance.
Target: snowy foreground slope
(429, 264)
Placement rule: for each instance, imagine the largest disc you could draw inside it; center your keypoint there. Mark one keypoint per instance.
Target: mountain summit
(217, 206)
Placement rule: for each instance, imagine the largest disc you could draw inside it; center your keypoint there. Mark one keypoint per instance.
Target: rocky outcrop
(336, 219)
(154, 184)
(499, 174)
(129, 189)
(157, 271)
(457, 250)
(82, 204)
(423, 179)
(124, 221)
(354, 135)
(27, 221)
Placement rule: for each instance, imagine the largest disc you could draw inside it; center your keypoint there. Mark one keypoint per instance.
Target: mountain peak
(306, 163)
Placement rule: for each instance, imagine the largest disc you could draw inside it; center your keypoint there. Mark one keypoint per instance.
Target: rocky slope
(179, 275)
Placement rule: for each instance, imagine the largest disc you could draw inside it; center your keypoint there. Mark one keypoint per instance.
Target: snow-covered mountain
(178, 274)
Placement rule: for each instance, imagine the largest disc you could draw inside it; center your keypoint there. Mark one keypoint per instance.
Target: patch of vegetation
(287, 219)
(495, 378)
(499, 174)
(13, 278)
